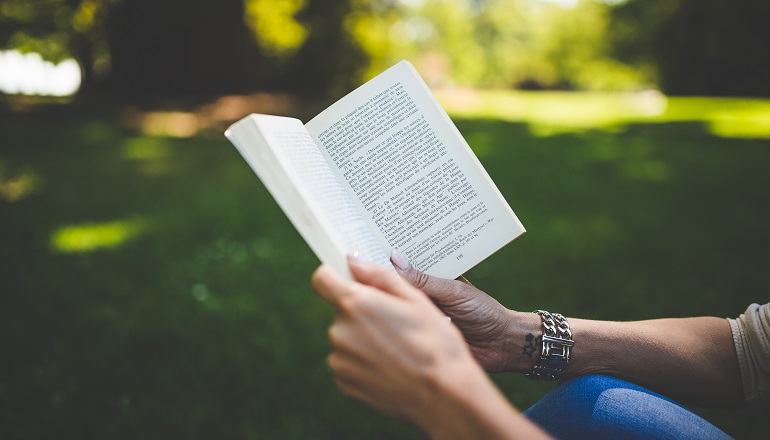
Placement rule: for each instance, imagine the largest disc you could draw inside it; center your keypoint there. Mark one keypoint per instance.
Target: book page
(413, 175)
(295, 172)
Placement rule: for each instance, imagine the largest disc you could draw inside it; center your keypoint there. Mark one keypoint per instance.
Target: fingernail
(399, 260)
(354, 256)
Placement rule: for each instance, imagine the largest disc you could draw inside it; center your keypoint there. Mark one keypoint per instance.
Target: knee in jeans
(593, 385)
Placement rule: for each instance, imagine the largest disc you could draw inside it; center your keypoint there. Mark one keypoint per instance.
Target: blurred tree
(175, 48)
(330, 61)
(42, 26)
(706, 47)
(573, 41)
(371, 26)
(57, 29)
(155, 49)
(496, 43)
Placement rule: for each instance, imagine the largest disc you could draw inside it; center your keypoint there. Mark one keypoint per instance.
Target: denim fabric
(602, 407)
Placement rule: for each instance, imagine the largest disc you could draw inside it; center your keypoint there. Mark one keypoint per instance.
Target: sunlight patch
(742, 125)
(30, 74)
(168, 123)
(18, 186)
(552, 113)
(273, 21)
(145, 148)
(88, 237)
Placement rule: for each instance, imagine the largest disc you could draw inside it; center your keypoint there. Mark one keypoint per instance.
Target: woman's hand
(496, 336)
(394, 350)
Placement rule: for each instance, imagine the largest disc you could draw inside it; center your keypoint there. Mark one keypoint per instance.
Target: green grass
(151, 288)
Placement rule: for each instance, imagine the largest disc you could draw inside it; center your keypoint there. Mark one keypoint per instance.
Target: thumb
(442, 291)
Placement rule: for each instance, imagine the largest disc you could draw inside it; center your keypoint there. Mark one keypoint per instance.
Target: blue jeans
(602, 407)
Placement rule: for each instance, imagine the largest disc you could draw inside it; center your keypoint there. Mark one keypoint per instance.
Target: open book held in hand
(382, 168)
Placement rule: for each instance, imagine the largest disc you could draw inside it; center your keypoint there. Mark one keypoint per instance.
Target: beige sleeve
(751, 334)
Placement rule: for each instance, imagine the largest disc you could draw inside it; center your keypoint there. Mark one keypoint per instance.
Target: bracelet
(557, 344)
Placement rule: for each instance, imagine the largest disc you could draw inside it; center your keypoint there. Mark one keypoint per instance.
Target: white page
(413, 176)
(291, 166)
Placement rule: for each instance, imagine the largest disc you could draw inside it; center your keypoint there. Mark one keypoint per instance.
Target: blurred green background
(151, 288)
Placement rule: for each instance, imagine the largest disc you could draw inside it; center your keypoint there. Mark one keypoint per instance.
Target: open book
(382, 168)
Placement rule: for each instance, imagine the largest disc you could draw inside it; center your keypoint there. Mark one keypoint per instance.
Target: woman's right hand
(496, 335)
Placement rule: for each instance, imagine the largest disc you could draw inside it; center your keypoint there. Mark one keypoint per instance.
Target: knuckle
(336, 335)
(420, 280)
(333, 361)
(315, 279)
(458, 289)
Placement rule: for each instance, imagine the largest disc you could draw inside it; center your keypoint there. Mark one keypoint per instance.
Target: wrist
(446, 384)
(468, 405)
(522, 348)
(556, 344)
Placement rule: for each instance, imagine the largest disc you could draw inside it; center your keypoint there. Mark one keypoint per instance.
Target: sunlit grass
(88, 237)
(551, 113)
(150, 152)
(741, 124)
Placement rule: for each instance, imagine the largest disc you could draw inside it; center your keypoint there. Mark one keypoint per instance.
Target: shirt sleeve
(751, 335)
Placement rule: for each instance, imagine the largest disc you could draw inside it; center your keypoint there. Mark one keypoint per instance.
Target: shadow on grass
(178, 305)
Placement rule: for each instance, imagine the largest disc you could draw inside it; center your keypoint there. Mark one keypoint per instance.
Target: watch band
(557, 345)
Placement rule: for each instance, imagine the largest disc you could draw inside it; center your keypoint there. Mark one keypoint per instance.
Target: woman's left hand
(393, 348)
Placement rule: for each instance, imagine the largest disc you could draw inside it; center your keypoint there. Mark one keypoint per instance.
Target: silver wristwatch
(555, 352)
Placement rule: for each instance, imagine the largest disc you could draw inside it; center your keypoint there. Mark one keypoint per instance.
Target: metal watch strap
(555, 352)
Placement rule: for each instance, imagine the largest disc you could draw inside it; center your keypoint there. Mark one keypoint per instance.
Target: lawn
(151, 288)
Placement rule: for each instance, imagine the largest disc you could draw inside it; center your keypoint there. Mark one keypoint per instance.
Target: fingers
(381, 278)
(438, 289)
(330, 286)
(374, 288)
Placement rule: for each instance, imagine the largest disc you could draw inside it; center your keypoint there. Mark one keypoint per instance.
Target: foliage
(173, 48)
(496, 43)
(709, 47)
(151, 288)
(327, 63)
(178, 48)
(58, 29)
(275, 25)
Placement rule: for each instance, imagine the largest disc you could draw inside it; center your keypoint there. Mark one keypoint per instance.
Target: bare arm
(691, 360)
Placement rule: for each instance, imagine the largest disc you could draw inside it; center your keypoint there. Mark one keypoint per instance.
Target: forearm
(471, 406)
(691, 360)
